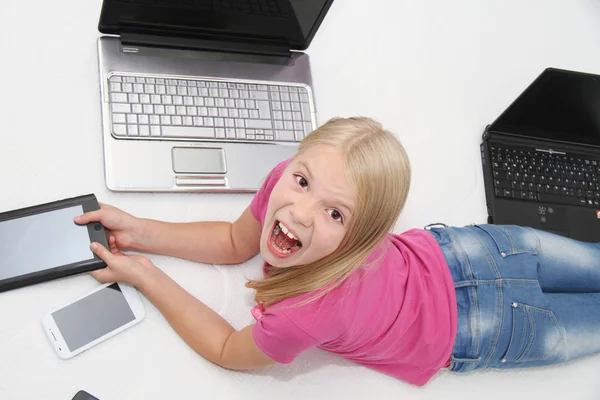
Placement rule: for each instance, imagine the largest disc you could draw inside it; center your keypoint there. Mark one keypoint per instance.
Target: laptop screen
(291, 23)
(559, 105)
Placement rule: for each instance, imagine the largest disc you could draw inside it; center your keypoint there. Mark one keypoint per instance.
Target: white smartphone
(93, 318)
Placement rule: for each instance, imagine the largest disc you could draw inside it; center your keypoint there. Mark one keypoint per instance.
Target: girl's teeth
(286, 231)
(283, 228)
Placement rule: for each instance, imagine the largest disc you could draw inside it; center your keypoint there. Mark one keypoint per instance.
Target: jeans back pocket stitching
(477, 321)
(513, 251)
(465, 267)
(514, 342)
(498, 247)
(532, 335)
(500, 315)
(510, 342)
(550, 314)
(538, 243)
(497, 273)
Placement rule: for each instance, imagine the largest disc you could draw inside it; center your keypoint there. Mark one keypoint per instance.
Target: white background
(435, 72)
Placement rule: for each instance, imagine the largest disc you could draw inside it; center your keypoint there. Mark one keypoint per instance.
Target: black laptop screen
(559, 105)
(291, 23)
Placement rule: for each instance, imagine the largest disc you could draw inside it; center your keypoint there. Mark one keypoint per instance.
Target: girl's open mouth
(282, 242)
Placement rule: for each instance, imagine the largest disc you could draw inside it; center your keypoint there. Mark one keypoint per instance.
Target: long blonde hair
(378, 168)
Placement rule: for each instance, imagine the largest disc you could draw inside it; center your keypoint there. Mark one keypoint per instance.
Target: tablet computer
(42, 242)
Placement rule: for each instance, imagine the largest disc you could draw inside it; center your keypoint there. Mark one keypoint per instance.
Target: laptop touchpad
(196, 160)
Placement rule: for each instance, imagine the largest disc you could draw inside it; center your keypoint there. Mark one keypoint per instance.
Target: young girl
(407, 305)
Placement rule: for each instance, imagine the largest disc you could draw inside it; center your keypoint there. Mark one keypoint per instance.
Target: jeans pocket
(512, 239)
(535, 334)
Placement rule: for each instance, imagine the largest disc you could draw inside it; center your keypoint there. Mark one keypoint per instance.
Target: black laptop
(541, 157)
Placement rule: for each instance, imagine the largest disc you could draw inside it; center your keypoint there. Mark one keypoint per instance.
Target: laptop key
(121, 108)
(259, 95)
(144, 130)
(524, 196)
(188, 132)
(286, 136)
(264, 109)
(501, 183)
(118, 118)
(552, 198)
(305, 112)
(154, 130)
(259, 124)
(120, 129)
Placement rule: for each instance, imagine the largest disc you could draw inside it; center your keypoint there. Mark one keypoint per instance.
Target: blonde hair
(378, 168)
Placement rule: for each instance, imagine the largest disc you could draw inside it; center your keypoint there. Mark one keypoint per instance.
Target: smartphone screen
(93, 316)
(42, 241)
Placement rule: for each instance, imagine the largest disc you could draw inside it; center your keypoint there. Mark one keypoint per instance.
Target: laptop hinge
(137, 39)
(553, 146)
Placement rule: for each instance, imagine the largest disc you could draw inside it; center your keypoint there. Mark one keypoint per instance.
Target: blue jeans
(525, 297)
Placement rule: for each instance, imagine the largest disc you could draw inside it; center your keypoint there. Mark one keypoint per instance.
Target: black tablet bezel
(95, 230)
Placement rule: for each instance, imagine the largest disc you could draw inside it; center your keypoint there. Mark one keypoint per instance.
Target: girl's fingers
(102, 252)
(112, 244)
(102, 275)
(92, 216)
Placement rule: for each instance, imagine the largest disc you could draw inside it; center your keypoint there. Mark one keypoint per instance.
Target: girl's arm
(201, 328)
(206, 242)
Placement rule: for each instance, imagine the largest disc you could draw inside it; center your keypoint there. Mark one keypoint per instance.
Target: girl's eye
(336, 215)
(301, 181)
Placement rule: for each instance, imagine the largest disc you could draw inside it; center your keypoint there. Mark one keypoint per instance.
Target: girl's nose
(303, 212)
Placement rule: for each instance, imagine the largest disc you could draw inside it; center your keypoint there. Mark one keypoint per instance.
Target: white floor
(433, 71)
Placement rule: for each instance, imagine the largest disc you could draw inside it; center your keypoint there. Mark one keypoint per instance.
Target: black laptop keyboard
(544, 177)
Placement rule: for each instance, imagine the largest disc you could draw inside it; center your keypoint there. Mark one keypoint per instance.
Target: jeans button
(515, 305)
(503, 254)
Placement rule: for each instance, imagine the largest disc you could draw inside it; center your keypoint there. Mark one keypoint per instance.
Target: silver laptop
(204, 95)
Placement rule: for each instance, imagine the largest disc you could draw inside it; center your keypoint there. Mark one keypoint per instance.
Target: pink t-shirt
(398, 317)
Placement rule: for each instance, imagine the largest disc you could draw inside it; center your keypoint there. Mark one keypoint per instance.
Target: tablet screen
(42, 241)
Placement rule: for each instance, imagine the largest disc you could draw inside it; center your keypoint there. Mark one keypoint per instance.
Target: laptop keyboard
(544, 177)
(155, 108)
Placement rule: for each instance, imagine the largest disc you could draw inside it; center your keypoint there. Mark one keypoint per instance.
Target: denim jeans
(525, 297)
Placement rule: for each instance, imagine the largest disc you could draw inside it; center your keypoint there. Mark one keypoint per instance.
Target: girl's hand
(124, 231)
(120, 267)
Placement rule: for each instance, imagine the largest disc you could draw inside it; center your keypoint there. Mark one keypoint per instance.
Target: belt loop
(435, 225)
(469, 283)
